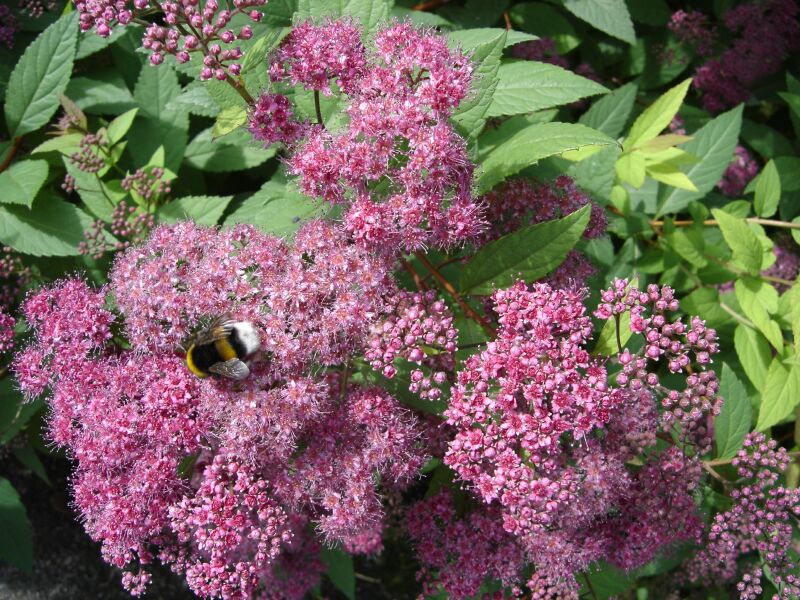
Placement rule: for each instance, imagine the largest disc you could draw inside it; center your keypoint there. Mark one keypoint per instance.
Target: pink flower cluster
(459, 554)
(415, 322)
(14, 277)
(9, 25)
(693, 28)
(543, 434)
(740, 172)
(222, 481)
(766, 32)
(398, 165)
(188, 27)
(761, 520)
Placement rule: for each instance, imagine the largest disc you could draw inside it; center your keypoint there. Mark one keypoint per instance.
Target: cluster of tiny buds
(69, 184)
(147, 183)
(128, 227)
(9, 25)
(14, 276)
(209, 29)
(36, 8)
(6, 332)
(87, 159)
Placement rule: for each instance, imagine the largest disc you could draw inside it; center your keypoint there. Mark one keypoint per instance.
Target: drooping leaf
(528, 86)
(545, 21)
(713, 144)
(734, 420)
(609, 16)
(533, 143)
(16, 535)
(203, 210)
(529, 253)
(40, 77)
(340, 570)
(119, 127)
(20, 183)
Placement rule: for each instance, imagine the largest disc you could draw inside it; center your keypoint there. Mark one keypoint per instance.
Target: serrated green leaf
(197, 100)
(277, 209)
(609, 16)
(781, 392)
(20, 183)
(545, 21)
(63, 144)
(471, 114)
(713, 144)
(51, 227)
(99, 197)
(689, 246)
(203, 210)
(533, 143)
(232, 153)
(227, 120)
(528, 86)
(529, 253)
(119, 127)
(368, 12)
(610, 113)
(705, 303)
(754, 354)
(256, 53)
(657, 116)
(16, 535)
(768, 190)
(340, 570)
(104, 92)
(40, 77)
(747, 251)
(470, 39)
(734, 420)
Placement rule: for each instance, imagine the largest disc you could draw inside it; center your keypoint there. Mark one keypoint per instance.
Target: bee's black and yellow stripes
(200, 357)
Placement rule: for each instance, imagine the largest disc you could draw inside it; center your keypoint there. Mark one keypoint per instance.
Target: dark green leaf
(545, 21)
(20, 183)
(609, 16)
(41, 76)
(16, 536)
(736, 416)
(340, 570)
(233, 152)
(529, 253)
(105, 92)
(203, 210)
(610, 113)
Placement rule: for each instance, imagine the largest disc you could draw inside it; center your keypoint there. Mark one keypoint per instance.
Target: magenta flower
(740, 172)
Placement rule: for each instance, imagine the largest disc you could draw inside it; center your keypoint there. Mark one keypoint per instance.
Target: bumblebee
(222, 348)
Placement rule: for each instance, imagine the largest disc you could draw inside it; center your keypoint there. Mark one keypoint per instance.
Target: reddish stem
(11, 153)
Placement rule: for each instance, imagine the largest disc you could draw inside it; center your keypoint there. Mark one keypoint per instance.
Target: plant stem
(589, 585)
(713, 222)
(429, 5)
(11, 153)
(418, 281)
(448, 287)
(741, 318)
(318, 108)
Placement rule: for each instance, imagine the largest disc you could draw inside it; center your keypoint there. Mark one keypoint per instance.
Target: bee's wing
(232, 369)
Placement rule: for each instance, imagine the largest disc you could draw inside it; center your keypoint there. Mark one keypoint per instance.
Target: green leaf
(159, 123)
(759, 300)
(545, 21)
(40, 77)
(256, 54)
(610, 113)
(630, 168)
(470, 39)
(64, 144)
(368, 12)
(713, 144)
(340, 570)
(232, 153)
(119, 127)
(28, 457)
(781, 393)
(197, 100)
(736, 416)
(527, 86)
(533, 143)
(15, 411)
(51, 227)
(607, 340)
(227, 120)
(16, 535)
(471, 114)
(105, 92)
(609, 16)
(99, 197)
(529, 253)
(203, 210)
(657, 116)
(754, 354)
(277, 209)
(768, 190)
(20, 183)
(747, 251)
(765, 140)
(607, 582)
